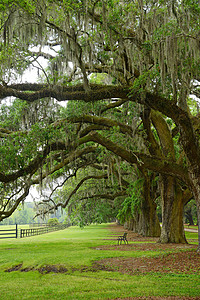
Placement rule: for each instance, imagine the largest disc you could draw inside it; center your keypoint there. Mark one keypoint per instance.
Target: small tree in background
(53, 222)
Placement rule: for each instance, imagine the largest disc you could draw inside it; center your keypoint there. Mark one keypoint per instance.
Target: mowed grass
(75, 248)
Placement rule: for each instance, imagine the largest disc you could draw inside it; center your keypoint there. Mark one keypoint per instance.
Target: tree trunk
(172, 211)
(132, 223)
(195, 178)
(148, 222)
(189, 217)
(145, 220)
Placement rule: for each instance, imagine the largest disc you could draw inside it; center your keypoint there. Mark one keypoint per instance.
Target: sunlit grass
(192, 236)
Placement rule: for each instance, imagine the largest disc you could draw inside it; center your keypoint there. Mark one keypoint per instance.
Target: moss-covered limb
(62, 94)
(4, 213)
(182, 119)
(81, 182)
(164, 134)
(13, 207)
(149, 138)
(152, 163)
(112, 105)
(31, 87)
(5, 131)
(90, 128)
(103, 122)
(187, 196)
(40, 157)
(33, 166)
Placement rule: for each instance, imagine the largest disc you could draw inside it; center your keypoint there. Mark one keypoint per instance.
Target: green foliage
(52, 222)
(17, 149)
(101, 78)
(92, 211)
(11, 115)
(132, 203)
(25, 4)
(79, 108)
(147, 80)
(23, 215)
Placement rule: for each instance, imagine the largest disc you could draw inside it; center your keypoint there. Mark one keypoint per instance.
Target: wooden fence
(41, 230)
(15, 232)
(9, 233)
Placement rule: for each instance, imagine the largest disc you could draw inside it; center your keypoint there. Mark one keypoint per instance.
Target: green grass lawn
(74, 248)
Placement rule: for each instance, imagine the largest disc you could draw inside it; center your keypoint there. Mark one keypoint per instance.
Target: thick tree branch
(8, 213)
(123, 128)
(61, 94)
(152, 163)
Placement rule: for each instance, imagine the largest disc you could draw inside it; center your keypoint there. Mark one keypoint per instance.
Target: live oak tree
(149, 49)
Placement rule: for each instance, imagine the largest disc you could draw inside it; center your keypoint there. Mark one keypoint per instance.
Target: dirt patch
(182, 262)
(43, 270)
(46, 269)
(52, 269)
(14, 268)
(147, 247)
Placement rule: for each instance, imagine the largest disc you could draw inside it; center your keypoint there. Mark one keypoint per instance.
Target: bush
(53, 222)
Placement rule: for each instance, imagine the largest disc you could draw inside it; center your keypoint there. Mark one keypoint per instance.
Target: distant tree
(190, 213)
(53, 222)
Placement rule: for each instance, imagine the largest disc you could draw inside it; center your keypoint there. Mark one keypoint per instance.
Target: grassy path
(75, 250)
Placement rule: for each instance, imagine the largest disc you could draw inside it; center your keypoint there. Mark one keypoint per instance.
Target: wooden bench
(122, 238)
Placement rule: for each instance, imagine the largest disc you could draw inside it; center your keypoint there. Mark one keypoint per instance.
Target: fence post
(16, 231)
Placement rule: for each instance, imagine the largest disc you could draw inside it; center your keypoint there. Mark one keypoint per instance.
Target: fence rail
(41, 230)
(15, 232)
(9, 233)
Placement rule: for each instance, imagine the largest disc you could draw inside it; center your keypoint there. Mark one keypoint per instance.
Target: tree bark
(148, 222)
(172, 211)
(145, 220)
